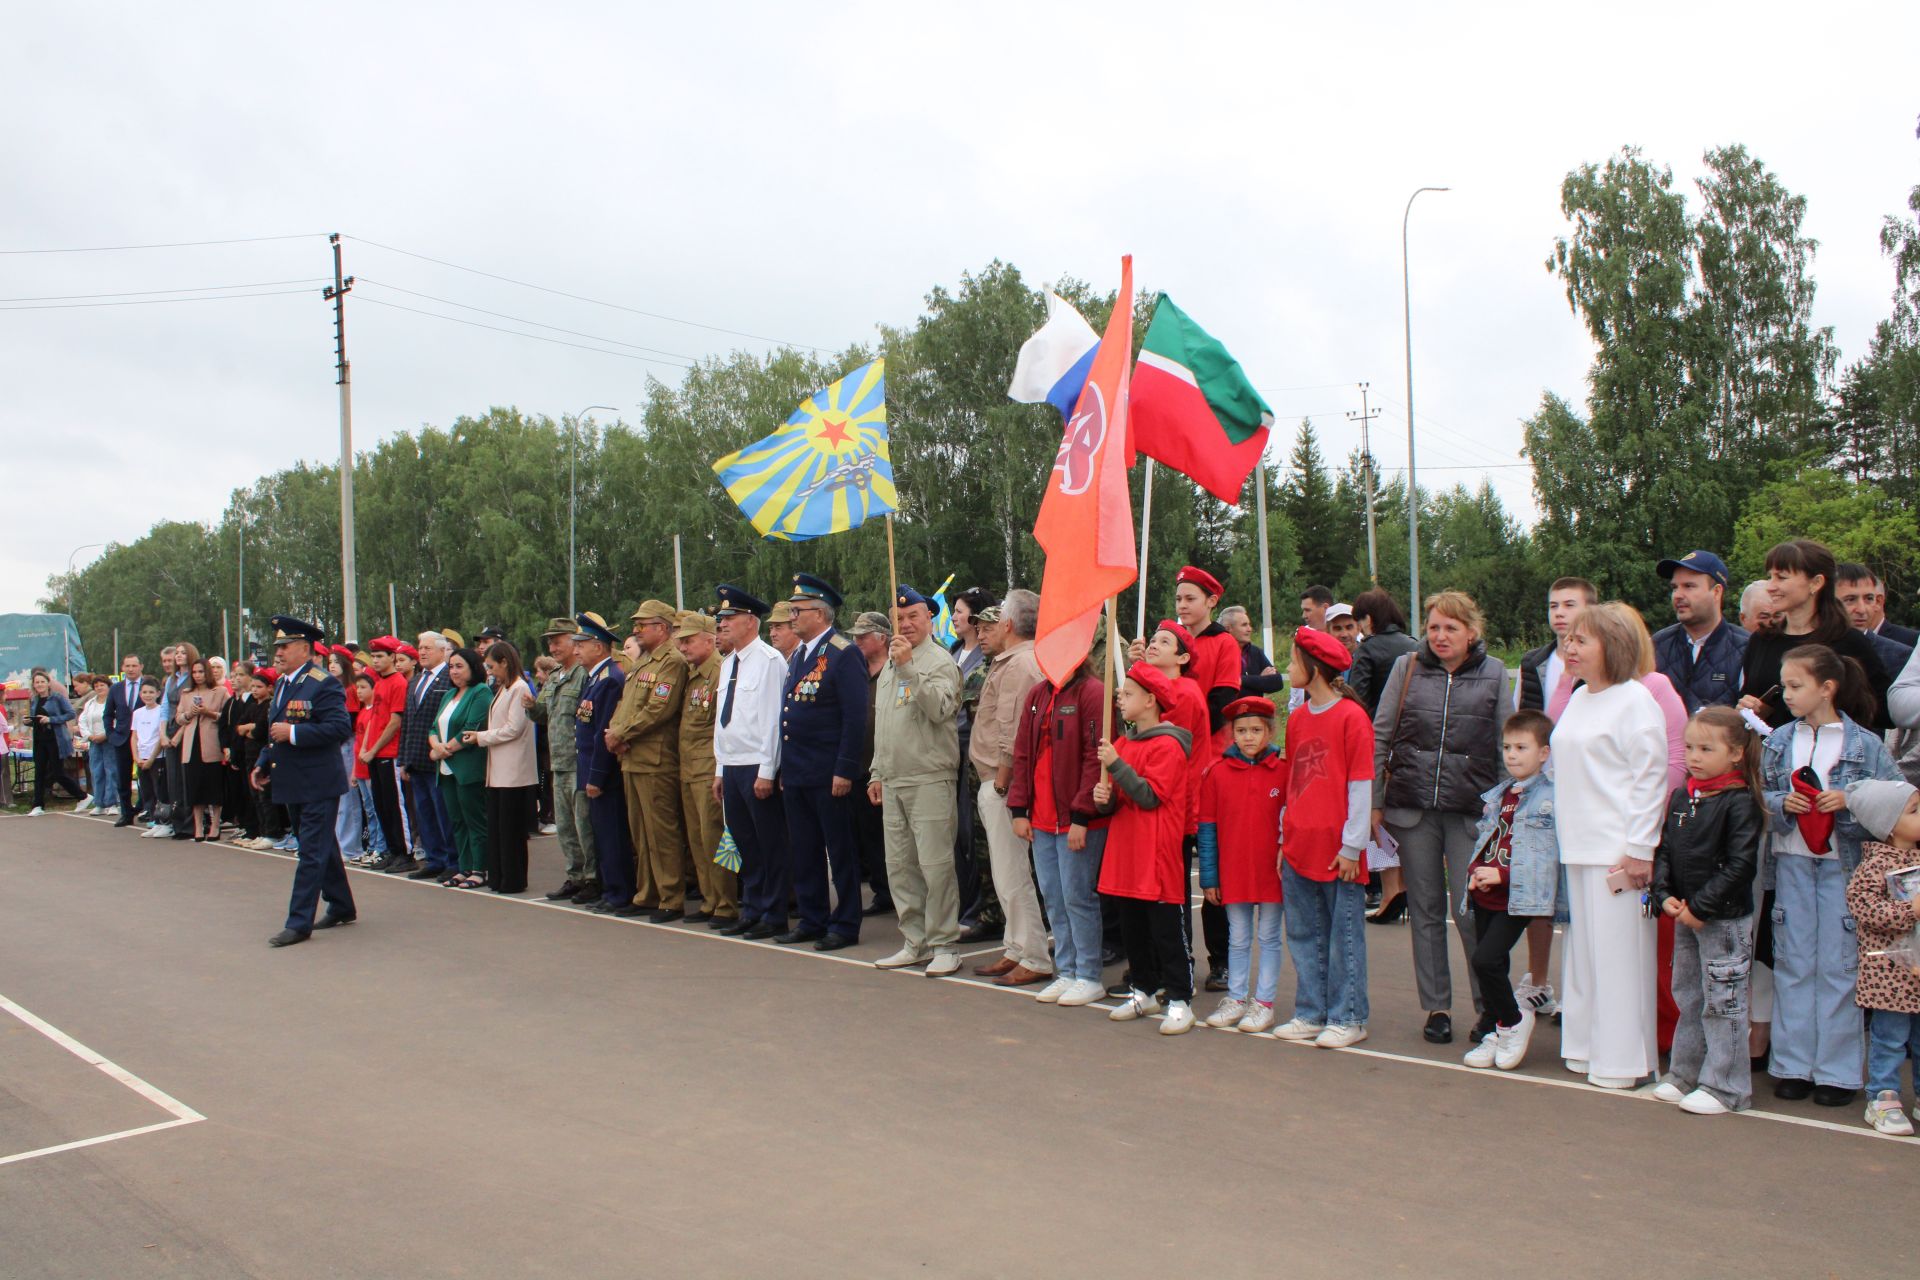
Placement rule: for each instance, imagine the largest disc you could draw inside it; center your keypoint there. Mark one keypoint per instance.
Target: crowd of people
(1717, 812)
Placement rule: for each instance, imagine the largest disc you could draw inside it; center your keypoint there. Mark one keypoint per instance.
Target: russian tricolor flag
(1054, 362)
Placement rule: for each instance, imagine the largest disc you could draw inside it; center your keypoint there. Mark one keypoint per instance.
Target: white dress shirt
(752, 733)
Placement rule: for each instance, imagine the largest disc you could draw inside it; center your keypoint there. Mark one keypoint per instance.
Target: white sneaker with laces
(1137, 1005)
(943, 965)
(1179, 1019)
(904, 958)
(1051, 993)
(1884, 1114)
(548, 828)
(1227, 1014)
(1538, 997)
(36, 812)
(1083, 991)
(1298, 1029)
(1481, 1055)
(111, 811)
(1340, 1036)
(85, 806)
(1510, 1043)
(1664, 1092)
(1702, 1103)
(1259, 1018)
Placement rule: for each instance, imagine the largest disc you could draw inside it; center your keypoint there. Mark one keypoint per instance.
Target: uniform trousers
(870, 831)
(613, 847)
(1434, 853)
(653, 818)
(318, 870)
(1608, 970)
(821, 852)
(919, 818)
(966, 867)
(1026, 936)
(508, 809)
(123, 774)
(759, 828)
(1818, 1031)
(719, 887)
(574, 827)
(467, 805)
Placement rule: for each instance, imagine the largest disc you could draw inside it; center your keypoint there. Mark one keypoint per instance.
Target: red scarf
(1697, 787)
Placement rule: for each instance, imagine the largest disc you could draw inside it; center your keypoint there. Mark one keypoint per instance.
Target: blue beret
(905, 596)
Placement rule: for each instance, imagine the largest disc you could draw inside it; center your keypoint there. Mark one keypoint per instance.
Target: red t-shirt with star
(1325, 752)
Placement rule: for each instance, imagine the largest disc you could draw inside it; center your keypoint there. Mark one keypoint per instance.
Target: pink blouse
(1675, 713)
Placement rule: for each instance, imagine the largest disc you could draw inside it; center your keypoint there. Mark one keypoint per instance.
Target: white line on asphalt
(1641, 1095)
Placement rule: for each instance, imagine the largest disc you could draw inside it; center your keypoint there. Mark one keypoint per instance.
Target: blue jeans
(1240, 931)
(1817, 1032)
(431, 825)
(1069, 887)
(100, 774)
(1326, 931)
(1892, 1038)
(373, 838)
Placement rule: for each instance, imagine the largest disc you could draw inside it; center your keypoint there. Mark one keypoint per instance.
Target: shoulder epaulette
(838, 641)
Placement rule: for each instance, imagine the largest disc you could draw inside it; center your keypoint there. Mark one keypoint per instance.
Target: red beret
(1201, 579)
(321, 650)
(409, 650)
(1154, 682)
(1180, 633)
(384, 644)
(1324, 647)
(266, 673)
(1249, 706)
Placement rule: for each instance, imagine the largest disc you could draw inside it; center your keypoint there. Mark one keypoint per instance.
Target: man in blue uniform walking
(823, 728)
(303, 765)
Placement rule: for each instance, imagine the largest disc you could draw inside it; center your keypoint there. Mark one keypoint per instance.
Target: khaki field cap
(654, 611)
(693, 624)
(781, 612)
(870, 624)
(559, 627)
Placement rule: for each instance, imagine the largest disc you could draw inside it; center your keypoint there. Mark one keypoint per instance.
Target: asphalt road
(469, 1086)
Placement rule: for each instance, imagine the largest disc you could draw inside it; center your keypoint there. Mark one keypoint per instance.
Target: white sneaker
(1617, 1083)
(111, 811)
(1259, 1018)
(36, 812)
(1510, 1043)
(1229, 1013)
(1051, 993)
(1664, 1092)
(1179, 1019)
(1298, 1029)
(1137, 1005)
(1884, 1114)
(162, 832)
(1702, 1103)
(1083, 991)
(943, 965)
(547, 829)
(1340, 1036)
(904, 958)
(1482, 1054)
(85, 806)
(1539, 998)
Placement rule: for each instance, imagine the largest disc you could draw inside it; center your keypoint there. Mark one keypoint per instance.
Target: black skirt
(206, 783)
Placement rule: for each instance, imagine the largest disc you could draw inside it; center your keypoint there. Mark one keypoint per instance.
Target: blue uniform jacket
(598, 767)
(311, 767)
(1715, 680)
(823, 718)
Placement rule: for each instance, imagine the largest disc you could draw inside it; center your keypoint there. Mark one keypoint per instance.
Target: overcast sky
(803, 172)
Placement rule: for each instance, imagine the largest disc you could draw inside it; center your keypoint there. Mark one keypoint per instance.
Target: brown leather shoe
(1021, 976)
(1005, 964)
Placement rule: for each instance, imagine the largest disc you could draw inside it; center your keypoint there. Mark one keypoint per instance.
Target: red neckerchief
(1708, 786)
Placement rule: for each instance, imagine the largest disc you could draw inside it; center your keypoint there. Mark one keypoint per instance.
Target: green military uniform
(647, 722)
(555, 707)
(986, 900)
(916, 761)
(719, 887)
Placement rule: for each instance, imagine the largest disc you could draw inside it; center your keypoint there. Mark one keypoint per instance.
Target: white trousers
(1609, 973)
(1008, 858)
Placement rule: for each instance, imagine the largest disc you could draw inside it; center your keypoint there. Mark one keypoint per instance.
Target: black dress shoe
(1216, 980)
(425, 873)
(123, 821)
(835, 942)
(589, 892)
(721, 923)
(329, 920)
(698, 917)
(627, 911)
(602, 907)
(286, 938)
(566, 890)
(1832, 1095)
(879, 907)
(761, 931)
(732, 928)
(798, 936)
(379, 864)
(665, 915)
(1791, 1089)
(1439, 1028)
(400, 866)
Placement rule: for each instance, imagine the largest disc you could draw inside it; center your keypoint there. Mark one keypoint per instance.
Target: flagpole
(893, 581)
(1146, 519)
(1113, 643)
(1266, 574)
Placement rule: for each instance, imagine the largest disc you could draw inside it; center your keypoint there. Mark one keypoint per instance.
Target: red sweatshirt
(1143, 858)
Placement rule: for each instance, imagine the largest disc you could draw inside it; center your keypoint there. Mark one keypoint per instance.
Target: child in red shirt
(1323, 837)
(1142, 869)
(1240, 801)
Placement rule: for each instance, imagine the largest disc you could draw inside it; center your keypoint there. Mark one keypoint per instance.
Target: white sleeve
(774, 697)
(1353, 833)
(1645, 731)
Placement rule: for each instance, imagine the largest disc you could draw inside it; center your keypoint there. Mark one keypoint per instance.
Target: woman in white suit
(512, 771)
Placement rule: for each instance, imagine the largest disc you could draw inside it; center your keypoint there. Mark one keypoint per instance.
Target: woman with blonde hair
(1609, 794)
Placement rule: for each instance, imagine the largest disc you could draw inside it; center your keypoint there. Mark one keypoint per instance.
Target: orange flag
(1086, 516)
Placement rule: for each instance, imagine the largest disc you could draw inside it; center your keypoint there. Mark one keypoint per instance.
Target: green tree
(1310, 503)
(1858, 522)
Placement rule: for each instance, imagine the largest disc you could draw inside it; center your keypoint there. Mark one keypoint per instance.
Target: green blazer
(469, 764)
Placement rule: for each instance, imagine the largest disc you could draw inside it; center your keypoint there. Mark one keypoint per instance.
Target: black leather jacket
(1709, 853)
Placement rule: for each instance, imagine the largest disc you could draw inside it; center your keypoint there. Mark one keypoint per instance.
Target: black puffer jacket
(1443, 746)
(1367, 677)
(1709, 853)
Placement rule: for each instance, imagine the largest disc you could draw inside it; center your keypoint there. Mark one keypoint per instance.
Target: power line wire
(579, 297)
(178, 244)
(141, 293)
(501, 315)
(148, 302)
(535, 337)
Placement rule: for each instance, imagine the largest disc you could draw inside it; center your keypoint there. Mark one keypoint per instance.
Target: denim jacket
(1862, 755)
(1537, 884)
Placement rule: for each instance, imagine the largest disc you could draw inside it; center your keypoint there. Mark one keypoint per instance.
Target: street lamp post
(573, 451)
(91, 546)
(1413, 487)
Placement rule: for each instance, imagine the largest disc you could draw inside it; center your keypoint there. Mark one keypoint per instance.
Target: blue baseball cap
(1699, 562)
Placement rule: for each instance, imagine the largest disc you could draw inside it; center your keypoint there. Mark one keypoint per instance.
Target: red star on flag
(833, 430)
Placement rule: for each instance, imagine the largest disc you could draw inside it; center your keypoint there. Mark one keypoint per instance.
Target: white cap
(1339, 611)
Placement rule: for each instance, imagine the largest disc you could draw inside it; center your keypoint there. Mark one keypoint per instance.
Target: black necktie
(726, 705)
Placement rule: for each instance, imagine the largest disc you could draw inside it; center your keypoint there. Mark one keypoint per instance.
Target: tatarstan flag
(1193, 407)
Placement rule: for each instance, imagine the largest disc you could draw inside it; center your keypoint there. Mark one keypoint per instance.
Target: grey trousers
(920, 818)
(574, 827)
(1434, 853)
(1711, 966)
